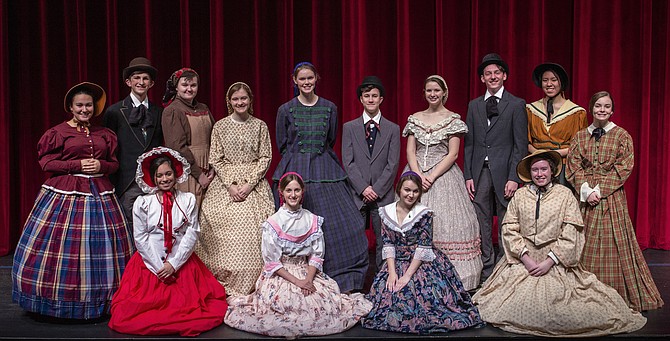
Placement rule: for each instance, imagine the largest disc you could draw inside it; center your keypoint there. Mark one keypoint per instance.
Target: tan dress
(568, 300)
(230, 241)
(187, 129)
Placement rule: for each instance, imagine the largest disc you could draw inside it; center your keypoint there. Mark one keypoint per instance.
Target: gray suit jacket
(378, 169)
(505, 141)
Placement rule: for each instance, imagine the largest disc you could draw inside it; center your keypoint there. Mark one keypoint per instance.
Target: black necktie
(598, 133)
(139, 116)
(550, 109)
(371, 129)
(491, 107)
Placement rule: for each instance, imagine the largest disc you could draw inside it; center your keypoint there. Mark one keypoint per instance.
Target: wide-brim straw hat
(523, 168)
(143, 173)
(99, 96)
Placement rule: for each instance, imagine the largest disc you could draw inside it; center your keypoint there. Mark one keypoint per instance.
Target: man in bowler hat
(371, 154)
(496, 141)
(137, 124)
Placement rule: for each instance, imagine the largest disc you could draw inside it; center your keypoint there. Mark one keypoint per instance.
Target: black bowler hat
(371, 80)
(492, 58)
(557, 69)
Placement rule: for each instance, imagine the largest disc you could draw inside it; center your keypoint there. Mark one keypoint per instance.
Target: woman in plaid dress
(599, 163)
(306, 130)
(74, 246)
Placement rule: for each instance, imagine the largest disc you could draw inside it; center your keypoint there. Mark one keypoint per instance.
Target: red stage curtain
(615, 45)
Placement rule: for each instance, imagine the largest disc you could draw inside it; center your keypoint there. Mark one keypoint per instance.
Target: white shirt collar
(607, 127)
(136, 101)
(498, 94)
(367, 117)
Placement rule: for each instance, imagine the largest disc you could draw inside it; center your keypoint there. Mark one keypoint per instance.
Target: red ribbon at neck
(167, 221)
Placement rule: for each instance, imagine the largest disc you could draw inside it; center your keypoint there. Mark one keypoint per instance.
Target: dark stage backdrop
(615, 45)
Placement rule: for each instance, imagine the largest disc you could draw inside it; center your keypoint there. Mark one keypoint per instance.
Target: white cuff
(553, 257)
(585, 191)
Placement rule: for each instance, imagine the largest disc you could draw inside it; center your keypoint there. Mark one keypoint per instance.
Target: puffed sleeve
(110, 163)
(141, 232)
(569, 244)
(511, 232)
(50, 153)
(424, 250)
(270, 249)
(217, 155)
(318, 245)
(260, 166)
(409, 128)
(187, 244)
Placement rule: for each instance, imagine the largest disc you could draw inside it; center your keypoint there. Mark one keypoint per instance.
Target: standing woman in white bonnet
(433, 141)
(239, 198)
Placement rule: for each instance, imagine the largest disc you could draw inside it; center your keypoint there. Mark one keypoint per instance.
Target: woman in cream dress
(239, 198)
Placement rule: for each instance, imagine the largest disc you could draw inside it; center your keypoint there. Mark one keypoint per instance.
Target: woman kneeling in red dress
(166, 289)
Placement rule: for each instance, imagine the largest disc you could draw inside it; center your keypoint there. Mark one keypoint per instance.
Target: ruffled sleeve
(50, 154)
(435, 134)
(110, 163)
(424, 250)
(187, 243)
(270, 249)
(410, 127)
(141, 232)
(318, 245)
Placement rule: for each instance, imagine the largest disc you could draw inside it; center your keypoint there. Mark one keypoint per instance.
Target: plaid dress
(611, 250)
(74, 246)
(305, 138)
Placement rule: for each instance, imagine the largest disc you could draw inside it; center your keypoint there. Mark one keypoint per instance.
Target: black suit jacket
(130, 139)
(505, 141)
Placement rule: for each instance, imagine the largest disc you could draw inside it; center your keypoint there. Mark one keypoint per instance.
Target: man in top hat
(371, 154)
(137, 124)
(496, 141)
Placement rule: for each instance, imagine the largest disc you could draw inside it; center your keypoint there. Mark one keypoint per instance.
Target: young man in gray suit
(497, 140)
(371, 153)
(137, 124)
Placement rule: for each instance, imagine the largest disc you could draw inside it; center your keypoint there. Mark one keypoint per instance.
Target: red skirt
(144, 305)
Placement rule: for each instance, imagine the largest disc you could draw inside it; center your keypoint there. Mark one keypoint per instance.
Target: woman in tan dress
(540, 287)
(239, 198)
(187, 127)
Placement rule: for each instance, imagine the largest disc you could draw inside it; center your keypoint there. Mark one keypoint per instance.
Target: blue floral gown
(434, 300)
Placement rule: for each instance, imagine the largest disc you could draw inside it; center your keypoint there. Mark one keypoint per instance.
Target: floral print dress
(434, 300)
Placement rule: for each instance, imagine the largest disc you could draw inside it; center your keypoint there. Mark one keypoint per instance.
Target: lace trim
(307, 239)
(392, 225)
(424, 253)
(139, 174)
(388, 251)
(434, 134)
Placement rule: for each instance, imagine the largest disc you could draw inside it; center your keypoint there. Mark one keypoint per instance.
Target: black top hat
(557, 69)
(371, 80)
(492, 58)
(140, 64)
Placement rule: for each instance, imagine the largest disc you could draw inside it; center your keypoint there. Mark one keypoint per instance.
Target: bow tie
(598, 133)
(369, 125)
(138, 116)
(491, 107)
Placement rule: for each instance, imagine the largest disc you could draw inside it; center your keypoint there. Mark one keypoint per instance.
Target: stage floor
(17, 324)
